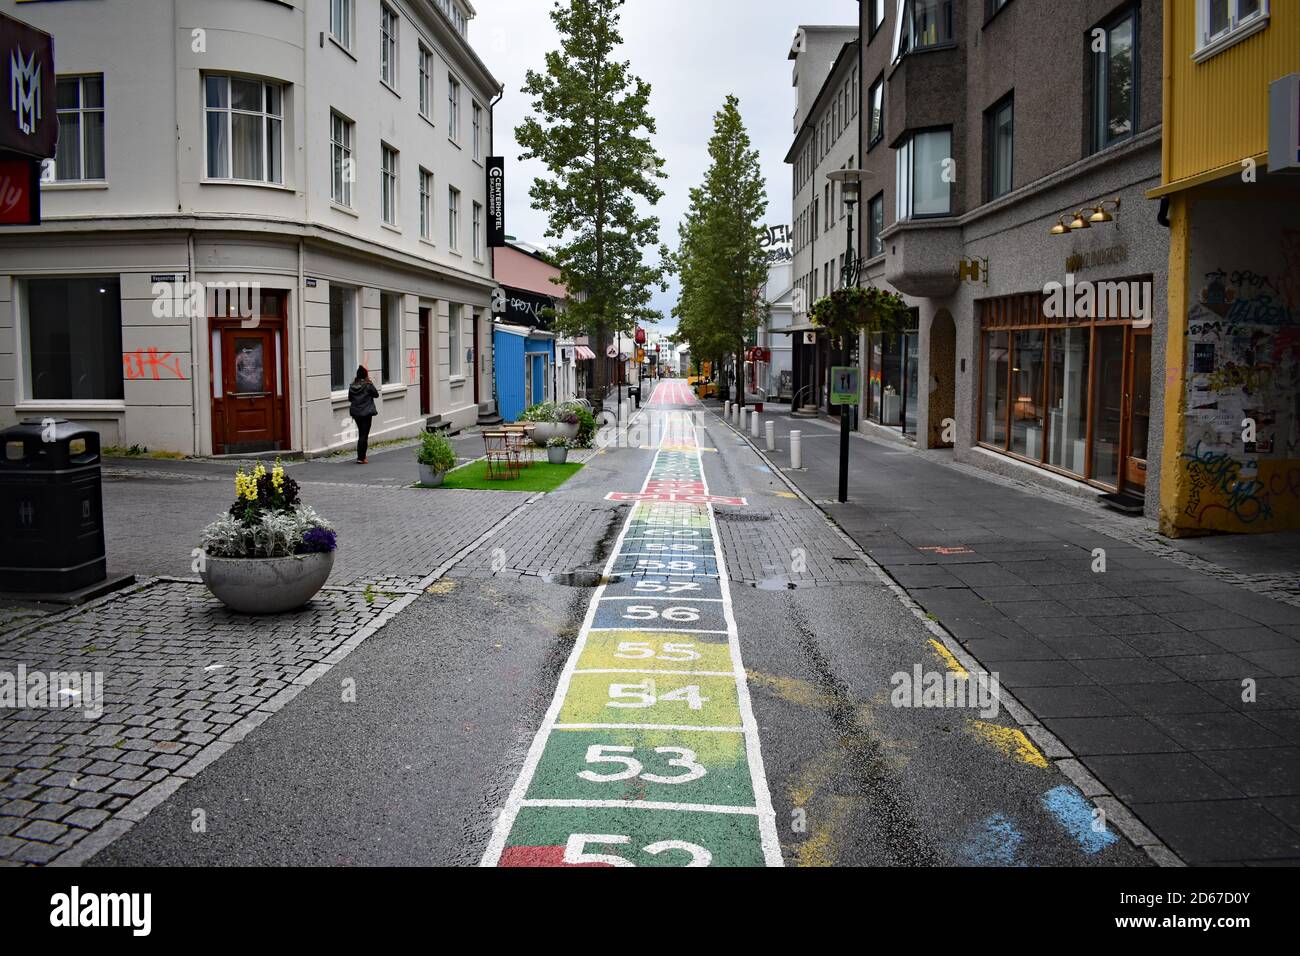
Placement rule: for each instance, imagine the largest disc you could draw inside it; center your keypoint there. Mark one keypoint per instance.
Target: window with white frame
(922, 24)
(245, 129)
(342, 166)
(426, 82)
(478, 131)
(453, 108)
(389, 25)
(388, 184)
(1221, 23)
(341, 13)
(390, 338)
(924, 186)
(453, 218)
(426, 203)
(477, 227)
(343, 336)
(455, 361)
(80, 103)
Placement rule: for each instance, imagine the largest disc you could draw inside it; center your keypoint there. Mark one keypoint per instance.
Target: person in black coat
(361, 405)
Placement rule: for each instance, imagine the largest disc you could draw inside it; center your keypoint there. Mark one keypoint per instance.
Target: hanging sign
(496, 201)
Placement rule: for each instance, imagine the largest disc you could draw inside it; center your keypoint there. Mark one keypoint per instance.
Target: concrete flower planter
(545, 431)
(557, 456)
(267, 585)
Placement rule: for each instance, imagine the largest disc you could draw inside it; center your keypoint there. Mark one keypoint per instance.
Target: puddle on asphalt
(581, 578)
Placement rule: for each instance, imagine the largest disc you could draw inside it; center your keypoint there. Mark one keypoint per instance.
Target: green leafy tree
(591, 128)
(720, 256)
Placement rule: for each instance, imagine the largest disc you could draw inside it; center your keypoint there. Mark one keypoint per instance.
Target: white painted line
(644, 805)
(636, 670)
(691, 727)
(676, 600)
(657, 630)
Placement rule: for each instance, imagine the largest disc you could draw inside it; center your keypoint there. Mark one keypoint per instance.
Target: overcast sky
(693, 53)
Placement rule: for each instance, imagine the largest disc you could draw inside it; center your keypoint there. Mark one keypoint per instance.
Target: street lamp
(850, 183)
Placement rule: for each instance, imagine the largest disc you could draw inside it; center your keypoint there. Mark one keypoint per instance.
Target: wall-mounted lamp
(1078, 222)
(1099, 211)
(1060, 228)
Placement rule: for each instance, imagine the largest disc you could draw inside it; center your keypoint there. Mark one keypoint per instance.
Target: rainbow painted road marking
(649, 753)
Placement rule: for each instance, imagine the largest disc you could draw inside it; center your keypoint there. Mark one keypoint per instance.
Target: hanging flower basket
(847, 312)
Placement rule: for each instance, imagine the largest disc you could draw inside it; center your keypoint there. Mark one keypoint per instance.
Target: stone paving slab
(1173, 678)
(180, 677)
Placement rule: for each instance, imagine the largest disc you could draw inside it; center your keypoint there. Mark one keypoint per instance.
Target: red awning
(584, 354)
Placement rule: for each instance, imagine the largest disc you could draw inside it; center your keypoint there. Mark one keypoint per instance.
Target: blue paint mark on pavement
(1075, 813)
(994, 843)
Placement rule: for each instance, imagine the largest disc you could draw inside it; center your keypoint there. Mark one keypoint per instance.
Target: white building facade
(251, 199)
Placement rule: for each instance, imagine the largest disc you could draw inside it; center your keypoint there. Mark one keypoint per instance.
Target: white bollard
(744, 414)
(796, 450)
(771, 436)
(754, 424)
(726, 409)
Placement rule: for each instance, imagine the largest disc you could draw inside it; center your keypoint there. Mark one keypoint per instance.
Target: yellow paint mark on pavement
(445, 586)
(821, 847)
(785, 494)
(793, 689)
(1010, 740)
(949, 661)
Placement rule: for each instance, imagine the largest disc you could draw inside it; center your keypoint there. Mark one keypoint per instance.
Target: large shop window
(1053, 390)
(893, 363)
(343, 336)
(74, 339)
(390, 337)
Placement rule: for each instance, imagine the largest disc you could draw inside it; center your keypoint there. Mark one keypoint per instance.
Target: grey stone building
(1010, 144)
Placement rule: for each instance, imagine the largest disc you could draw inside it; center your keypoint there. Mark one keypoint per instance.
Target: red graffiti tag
(150, 363)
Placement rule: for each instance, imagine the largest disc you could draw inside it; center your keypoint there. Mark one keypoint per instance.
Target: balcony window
(244, 129)
(1114, 80)
(923, 24)
(924, 187)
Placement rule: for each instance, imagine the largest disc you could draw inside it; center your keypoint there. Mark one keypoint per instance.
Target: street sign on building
(496, 202)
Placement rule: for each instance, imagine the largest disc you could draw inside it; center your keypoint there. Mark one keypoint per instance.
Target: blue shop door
(539, 378)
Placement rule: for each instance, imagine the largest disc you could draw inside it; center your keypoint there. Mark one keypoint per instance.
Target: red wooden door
(425, 405)
(250, 390)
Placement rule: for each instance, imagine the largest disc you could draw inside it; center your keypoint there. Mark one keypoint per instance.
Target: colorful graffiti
(151, 364)
(1239, 463)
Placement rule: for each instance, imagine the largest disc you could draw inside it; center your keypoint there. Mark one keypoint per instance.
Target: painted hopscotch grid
(649, 753)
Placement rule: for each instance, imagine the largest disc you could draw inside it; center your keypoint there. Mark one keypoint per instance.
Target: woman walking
(361, 401)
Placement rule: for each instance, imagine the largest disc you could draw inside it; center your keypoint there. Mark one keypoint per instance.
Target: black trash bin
(51, 508)
(634, 392)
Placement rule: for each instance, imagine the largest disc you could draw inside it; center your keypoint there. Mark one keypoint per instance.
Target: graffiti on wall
(151, 364)
(1240, 459)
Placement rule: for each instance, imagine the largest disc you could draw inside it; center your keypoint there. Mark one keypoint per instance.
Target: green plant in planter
(846, 312)
(541, 412)
(559, 441)
(436, 452)
(586, 428)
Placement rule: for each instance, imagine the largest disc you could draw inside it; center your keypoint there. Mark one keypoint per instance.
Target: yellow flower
(277, 478)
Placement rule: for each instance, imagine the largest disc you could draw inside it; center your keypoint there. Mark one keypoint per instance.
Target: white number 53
(607, 753)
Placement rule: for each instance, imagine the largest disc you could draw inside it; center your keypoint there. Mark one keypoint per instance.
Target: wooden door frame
(274, 324)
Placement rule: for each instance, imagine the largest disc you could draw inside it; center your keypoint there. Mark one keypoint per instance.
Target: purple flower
(318, 541)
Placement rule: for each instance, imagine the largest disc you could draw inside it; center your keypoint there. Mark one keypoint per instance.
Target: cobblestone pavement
(556, 536)
(1174, 678)
(182, 679)
(388, 536)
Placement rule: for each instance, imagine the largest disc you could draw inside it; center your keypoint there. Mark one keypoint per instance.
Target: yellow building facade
(1231, 456)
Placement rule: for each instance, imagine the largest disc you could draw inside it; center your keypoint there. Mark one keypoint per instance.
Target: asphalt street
(407, 751)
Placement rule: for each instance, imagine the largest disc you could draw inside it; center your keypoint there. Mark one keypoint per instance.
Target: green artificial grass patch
(542, 476)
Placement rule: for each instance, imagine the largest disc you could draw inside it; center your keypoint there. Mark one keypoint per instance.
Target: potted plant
(269, 553)
(550, 419)
(557, 450)
(436, 457)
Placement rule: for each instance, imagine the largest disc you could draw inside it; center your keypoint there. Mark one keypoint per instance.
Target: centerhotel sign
(29, 124)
